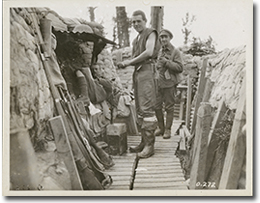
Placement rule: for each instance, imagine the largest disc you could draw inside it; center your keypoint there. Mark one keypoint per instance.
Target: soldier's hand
(163, 60)
(121, 65)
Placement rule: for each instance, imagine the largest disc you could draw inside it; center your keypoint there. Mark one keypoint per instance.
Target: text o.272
(206, 184)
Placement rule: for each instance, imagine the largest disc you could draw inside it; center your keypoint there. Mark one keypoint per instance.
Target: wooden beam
(64, 150)
(197, 174)
(181, 105)
(207, 91)
(213, 141)
(188, 102)
(187, 133)
(236, 147)
(182, 140)
(201, 88)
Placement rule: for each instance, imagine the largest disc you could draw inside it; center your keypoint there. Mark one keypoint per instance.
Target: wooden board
(182, 140)
(236, 147)
(200, 145)
(188, 102)
(64, 150)
(161, 171)
(213, 141)
(201, 88)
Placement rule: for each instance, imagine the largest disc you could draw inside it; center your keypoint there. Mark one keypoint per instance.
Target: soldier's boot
(148, 149)
(148, 128)
(160, 130)
(169, 120)
(138, 148)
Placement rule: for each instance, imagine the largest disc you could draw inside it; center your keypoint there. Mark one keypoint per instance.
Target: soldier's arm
(149, 48)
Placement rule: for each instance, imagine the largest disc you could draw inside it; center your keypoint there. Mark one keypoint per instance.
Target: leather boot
(167, 134)
(169, 119)
(138, 148)
(147, 151)
(149, 140)
(159, 115)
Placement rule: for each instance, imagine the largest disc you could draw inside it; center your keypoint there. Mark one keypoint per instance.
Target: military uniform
(145, 93)
(167, 82)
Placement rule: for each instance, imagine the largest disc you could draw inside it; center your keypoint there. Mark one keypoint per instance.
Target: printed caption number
(206, 184)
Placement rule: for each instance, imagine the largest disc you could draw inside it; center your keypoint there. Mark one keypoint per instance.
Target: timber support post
(237, 146)
(199, 156)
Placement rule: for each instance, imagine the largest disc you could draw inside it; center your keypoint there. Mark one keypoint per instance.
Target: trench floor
(162, 171)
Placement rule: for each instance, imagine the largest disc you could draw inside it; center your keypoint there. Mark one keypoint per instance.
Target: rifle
(83, 155)
(100, 155)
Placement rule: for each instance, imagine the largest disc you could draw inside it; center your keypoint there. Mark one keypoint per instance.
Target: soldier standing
(169, 65)
(144, 53)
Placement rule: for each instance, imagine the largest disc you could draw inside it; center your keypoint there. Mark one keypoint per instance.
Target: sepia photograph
(127, 98)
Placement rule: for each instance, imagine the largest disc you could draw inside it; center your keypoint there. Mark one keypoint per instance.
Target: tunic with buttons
(174, 65)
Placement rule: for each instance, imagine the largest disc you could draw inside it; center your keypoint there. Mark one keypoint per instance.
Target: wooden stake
(188, 102)
(197, 175)
(201, 88)
(187, 133)
(64, 150)
(182, 140)
(236, 147)
(213, 141)
(207, 91)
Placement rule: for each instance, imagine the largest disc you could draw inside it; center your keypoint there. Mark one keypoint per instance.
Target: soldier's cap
(166, 32)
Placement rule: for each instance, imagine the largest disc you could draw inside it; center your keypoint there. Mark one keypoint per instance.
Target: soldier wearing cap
(169, 65)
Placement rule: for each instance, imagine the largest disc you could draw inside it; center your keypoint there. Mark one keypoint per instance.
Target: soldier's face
(165, 39)
(138, 23)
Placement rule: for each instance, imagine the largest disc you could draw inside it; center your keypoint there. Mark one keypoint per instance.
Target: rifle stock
(78, 147)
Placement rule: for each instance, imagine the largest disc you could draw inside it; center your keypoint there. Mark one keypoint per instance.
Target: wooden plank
(167, 171)
(187, 133)
(159, 179)
(161, 160)
(188, 102)
(64, 150)
(199, 94)
(182, 89)
(182, 140)
(217, 118)
(162, 167)
(120, 173)
(121, 183)
(164, 188)
(144, 176)
(119, 178)
(118, 187)
(122, 169)
(236, 147)
(158, 184)
(158, 164)
(200, 145)
(207, 91)
(213, 141)
(157, 168)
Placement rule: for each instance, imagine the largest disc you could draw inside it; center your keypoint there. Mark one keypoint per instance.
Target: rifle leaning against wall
(82, 155)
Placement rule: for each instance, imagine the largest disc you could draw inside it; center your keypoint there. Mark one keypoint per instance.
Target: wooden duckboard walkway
(162, 171)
